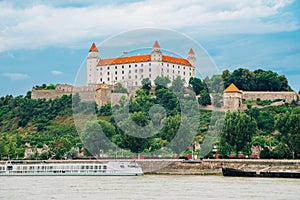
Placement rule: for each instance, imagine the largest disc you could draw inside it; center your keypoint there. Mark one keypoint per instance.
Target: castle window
(149, 64)
(136, 76)
(178, 72)
(100, 68)
(129, 77)
(136, 83)
(129, 66)
(168, 65)
(122, 77)
(108, 68)
(123, 72)
(107, 73)
(97, 69)
(149, 75)
(100, 79)
(115, 67)
(173, 71)
(100, 73)
(168, 70)
(173, 66)
(129, 71)
(178, 67)
(116, 72)
(136, 71)
(122, 66)
(183, 73)
(142, 64)
(116, 78)
(135, 65)
(190, 68)
(190, 74)
(162, 64)
(183, 67)
(107, 78)
(149, 69)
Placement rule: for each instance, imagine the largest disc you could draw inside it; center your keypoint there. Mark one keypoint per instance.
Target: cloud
(16, 76)
(56, 72)
(38, 25)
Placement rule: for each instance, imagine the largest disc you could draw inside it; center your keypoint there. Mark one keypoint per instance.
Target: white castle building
(131, 70)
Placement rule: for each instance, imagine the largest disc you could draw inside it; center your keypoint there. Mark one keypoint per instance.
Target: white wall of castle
(132, 74)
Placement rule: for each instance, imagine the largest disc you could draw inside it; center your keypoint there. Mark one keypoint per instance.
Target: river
(147, 187)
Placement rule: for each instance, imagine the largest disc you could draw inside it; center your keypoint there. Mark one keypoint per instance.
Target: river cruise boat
(11, 168)
(261, 173)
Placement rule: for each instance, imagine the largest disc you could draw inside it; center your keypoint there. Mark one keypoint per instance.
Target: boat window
(100, 166)
(104, 167)
(96, 167)
(9, 167)
(122, 166)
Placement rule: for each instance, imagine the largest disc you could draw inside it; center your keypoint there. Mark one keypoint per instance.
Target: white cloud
(56, 72)
(39, 25)
(16, 76)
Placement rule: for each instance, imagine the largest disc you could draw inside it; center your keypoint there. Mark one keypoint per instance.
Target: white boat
(11, 168)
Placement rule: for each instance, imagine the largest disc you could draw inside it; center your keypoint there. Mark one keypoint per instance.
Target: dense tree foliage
(258, 80)
(237, 133)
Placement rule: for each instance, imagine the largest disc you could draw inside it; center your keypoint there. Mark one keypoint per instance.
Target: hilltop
(42, 129)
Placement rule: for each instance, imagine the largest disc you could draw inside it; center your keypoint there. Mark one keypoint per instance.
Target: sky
(47, 41)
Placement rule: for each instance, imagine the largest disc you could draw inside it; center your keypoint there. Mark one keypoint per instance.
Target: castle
(103, 73)
(131, 70)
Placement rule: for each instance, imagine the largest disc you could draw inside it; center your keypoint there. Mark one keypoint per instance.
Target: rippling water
(148, 187)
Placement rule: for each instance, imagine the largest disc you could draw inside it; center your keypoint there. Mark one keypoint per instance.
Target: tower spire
(93, 47)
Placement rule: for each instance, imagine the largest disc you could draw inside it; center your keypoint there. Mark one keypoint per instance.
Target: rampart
(266, 95)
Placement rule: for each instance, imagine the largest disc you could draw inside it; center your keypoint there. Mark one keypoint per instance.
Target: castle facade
(131, 70)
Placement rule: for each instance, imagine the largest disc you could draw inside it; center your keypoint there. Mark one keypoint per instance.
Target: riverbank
(195, 167)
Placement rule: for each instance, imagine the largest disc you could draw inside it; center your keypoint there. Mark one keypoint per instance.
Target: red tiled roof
(142, 58)
(93, 47)
(125, 60)
(171, 59)
(191, 51)
(156, 45)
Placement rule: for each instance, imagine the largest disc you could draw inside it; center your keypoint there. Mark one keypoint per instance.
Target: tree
(146, 85)
(177, 85)
(267, 81)
(237, 132)
(196, 84)
(204, 98)
(118, 88)
(244, 79)
(288, 124)
(96, 134)
(226, 76)
(161, 82)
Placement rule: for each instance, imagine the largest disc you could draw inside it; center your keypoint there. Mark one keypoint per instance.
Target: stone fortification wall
(86, 93)
(48, 94)
(265, 95)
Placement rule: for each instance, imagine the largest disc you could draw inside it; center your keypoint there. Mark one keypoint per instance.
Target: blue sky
(46, 41)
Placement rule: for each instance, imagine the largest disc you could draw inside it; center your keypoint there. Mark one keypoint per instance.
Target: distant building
(233, 97)
(131, 70)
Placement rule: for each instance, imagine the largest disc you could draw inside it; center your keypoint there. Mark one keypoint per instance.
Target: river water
(147, 187)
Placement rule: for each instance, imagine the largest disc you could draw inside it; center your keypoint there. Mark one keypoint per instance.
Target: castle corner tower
(91, 63)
